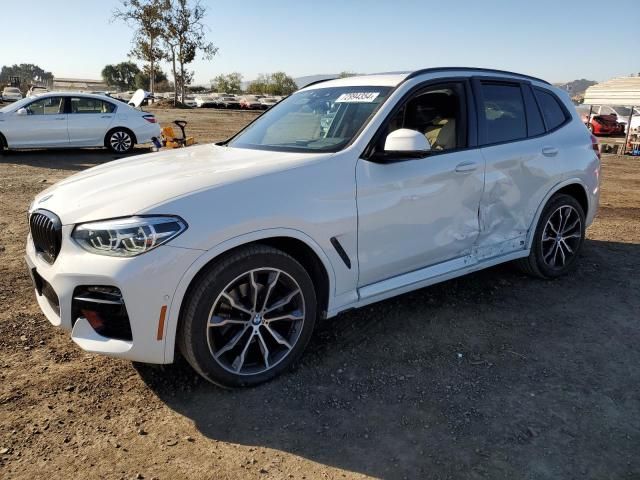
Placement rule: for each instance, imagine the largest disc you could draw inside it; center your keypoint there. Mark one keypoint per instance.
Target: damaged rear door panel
(522, 164)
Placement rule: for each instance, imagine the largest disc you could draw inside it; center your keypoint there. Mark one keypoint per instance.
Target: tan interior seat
(434, 114)
(441, 134)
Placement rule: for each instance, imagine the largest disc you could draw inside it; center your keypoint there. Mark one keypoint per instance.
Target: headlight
(127, 237)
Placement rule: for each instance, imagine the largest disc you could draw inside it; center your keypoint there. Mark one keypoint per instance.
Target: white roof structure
(617, 91)
(78, 84)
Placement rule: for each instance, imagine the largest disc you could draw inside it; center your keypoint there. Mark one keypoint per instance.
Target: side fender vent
(343, 255)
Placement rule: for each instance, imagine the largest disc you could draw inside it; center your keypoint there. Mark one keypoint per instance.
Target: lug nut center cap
(257, 320)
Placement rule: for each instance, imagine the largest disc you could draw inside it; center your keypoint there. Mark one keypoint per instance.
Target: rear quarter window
(554, 115)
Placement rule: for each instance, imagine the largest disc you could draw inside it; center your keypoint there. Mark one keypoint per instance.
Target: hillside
(576, 87)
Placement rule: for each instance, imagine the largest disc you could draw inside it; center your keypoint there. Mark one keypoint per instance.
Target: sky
(557, 40)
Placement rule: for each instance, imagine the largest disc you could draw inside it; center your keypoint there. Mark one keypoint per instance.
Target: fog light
(93, 318)
(103, 307)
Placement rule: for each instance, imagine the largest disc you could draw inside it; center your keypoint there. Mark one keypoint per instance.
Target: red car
(605, 125)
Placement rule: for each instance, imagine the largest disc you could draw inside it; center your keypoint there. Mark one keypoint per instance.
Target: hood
(132, 185)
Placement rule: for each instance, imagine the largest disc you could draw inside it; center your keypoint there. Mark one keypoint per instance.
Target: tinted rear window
(553, 113)
(503, 112)
(535, 125)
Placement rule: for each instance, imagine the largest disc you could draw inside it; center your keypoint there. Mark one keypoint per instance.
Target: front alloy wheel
(248, 317)
(255, 321)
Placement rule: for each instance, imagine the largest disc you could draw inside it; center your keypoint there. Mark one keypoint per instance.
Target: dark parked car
(227, 102)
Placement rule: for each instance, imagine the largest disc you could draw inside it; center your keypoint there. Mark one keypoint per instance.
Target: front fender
(171, 325)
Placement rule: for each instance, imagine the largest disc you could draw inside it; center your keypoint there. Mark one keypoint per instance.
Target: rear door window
(503, 111)
(552, 112)
(90, 105)
(535, 125)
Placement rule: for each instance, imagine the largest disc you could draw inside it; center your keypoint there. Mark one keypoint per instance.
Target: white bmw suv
(348, 192)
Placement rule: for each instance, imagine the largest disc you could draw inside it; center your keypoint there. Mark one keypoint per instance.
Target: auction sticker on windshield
(357, 97)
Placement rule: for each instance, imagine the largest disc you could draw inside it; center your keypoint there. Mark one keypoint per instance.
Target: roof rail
(317, 81)
(473, 69)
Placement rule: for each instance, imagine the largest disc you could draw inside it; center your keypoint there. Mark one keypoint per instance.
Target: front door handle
(549, 151)
(466, 167)
(60, 118)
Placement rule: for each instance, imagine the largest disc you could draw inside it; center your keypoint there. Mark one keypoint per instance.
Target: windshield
(11, 90)
(623, 111)
(17, 105)
(318, 120)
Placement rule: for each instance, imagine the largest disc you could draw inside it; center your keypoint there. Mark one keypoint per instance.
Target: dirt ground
(494, 375)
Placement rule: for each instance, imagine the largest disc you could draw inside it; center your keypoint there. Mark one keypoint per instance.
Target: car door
(523, 160)
(417, 212)
(89, 120)
(41, 123)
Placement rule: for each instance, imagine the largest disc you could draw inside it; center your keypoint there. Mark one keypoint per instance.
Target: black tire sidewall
(212, 284)
(555, 203)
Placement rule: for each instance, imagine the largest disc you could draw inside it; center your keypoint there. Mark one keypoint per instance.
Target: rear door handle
(61, 118)
(106, 116)
(549, 151)
(466, 167)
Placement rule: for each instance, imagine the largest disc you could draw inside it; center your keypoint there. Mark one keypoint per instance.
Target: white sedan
(64, 120)
(11, 94)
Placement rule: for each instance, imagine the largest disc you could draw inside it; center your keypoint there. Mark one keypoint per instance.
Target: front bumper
(147, 282)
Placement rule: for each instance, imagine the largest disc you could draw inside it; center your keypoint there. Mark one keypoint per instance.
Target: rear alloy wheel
(249, 317)
(120, 141)
(558, 238)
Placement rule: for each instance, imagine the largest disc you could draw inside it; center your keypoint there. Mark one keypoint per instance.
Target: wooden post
(626, 137)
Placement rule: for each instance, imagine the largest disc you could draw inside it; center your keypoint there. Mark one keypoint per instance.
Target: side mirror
(408, 142)
(22, 111)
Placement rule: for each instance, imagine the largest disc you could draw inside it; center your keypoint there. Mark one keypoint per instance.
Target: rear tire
(248, 317)
(120, 141)
(558, 239)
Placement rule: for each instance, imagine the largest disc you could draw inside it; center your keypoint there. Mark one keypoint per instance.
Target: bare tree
(148, 19)
(184, 37)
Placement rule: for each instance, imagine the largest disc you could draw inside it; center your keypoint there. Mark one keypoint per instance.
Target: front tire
(558, 238)
(248, 317)
(120, 141)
